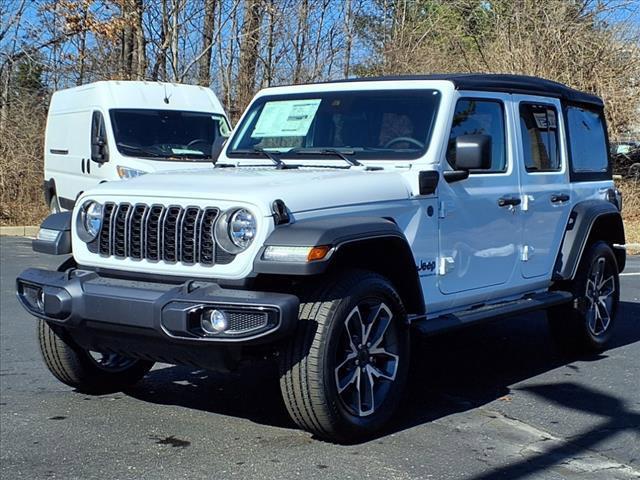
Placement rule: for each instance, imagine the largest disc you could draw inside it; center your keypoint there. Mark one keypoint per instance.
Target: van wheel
(54, 205)
(587, 323)
(90, 372)
(343, 372)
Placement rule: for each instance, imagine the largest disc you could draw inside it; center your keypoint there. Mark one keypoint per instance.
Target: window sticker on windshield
(290, 118)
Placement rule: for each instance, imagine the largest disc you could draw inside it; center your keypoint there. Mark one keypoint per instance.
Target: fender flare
(584, 216)
(348, 236)
(61, 244)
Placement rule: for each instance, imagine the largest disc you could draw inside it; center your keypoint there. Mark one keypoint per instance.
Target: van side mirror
(472, 152)
(217, 147)
(99, 147)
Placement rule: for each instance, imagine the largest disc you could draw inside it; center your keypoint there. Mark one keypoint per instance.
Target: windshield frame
(233, 151)
(166, 158)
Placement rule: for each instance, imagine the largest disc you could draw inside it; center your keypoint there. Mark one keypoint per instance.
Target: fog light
(34, 297)
(213, 322)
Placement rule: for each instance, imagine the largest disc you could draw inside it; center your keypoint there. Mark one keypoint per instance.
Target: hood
(301, 189)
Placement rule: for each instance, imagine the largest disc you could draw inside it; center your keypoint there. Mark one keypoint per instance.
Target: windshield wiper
(280, 165)
(342, 154)
(139, 150)
(273, 157)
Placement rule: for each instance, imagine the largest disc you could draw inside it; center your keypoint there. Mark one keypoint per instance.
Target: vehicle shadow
(450, 373)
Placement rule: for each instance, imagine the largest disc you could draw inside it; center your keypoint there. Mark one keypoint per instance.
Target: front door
(546, 200)
(480, 230)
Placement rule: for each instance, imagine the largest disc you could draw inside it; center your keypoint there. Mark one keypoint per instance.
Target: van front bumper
(160, 321)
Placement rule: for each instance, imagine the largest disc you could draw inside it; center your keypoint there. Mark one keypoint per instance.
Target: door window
(480, 117)
(540, 141)
(99, 152)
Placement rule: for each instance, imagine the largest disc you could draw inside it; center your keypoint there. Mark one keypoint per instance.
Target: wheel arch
(49, 190)
(356, 242)
(589, 221)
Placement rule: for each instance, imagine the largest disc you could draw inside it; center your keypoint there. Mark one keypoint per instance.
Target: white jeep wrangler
(341, 219)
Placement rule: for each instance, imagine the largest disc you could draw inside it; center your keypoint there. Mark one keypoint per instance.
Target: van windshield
(376, 124)
(167, 134)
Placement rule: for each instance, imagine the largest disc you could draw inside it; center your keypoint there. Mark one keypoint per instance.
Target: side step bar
(493, 312)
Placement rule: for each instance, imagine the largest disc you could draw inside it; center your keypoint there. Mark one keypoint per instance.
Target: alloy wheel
(366, 358)
(599, 294)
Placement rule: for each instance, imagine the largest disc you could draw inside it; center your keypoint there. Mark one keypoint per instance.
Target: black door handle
(83, 165)
(559, 198)
(508, 202)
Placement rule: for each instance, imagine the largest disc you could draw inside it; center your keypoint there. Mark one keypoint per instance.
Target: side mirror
(99, 148)
(473, 152)
(217, 147)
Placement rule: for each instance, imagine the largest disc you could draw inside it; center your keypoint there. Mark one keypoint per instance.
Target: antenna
(166, 97)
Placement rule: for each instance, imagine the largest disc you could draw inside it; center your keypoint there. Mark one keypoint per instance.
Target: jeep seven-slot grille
(156, 232)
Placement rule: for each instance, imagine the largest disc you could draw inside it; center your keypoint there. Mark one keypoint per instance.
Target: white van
(113, 130)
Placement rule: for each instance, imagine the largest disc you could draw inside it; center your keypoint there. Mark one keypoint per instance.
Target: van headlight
(235, 230)
(128, 172)
(89, 221)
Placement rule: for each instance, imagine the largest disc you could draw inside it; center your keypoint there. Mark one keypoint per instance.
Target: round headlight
(90, 221)
(242, 228)
(235, 230)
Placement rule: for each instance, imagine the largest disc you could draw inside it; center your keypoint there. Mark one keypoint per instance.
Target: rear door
(546, 193)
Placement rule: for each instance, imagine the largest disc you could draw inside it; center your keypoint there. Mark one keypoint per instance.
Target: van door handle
(559, 198)
(82, 161)
(509, 201)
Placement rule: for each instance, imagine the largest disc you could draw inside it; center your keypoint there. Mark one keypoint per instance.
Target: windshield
(167, 134)
(382, 124)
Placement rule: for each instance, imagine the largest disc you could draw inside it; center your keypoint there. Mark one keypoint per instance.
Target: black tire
(581, 325)
(77, 368)
(308, 374)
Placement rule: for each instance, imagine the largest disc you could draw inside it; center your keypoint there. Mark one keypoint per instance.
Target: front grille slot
(158, 233)
(119, 234)
(105, 233)
(170, 238)
(136, 231)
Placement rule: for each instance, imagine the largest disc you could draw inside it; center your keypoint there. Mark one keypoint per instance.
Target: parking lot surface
(495, 401)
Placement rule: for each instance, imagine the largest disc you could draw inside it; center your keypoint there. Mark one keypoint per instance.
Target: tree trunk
(204, 71)
(267, 78)
(248, 52)
(301, 40)
(159, 71)
(82, 48)
(348, 33)
(141, 54)
(127, 41)
(175, 36)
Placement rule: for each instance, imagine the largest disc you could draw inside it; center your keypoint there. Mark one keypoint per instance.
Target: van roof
(137, 94)
(498, 83)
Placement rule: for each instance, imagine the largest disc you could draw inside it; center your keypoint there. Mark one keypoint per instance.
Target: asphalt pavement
(495, 401)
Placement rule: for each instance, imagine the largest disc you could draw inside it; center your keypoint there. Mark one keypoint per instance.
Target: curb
(19, 231)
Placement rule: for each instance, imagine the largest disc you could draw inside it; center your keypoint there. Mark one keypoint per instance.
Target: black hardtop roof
(495, 82)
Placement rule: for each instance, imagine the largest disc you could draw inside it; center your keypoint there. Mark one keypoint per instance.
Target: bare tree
(250, 41)
(141, 44)
(208, 24)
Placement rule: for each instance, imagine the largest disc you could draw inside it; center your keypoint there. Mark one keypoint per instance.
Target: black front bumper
(158, 321)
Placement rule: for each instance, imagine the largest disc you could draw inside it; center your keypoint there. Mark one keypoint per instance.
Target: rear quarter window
(587, 140)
